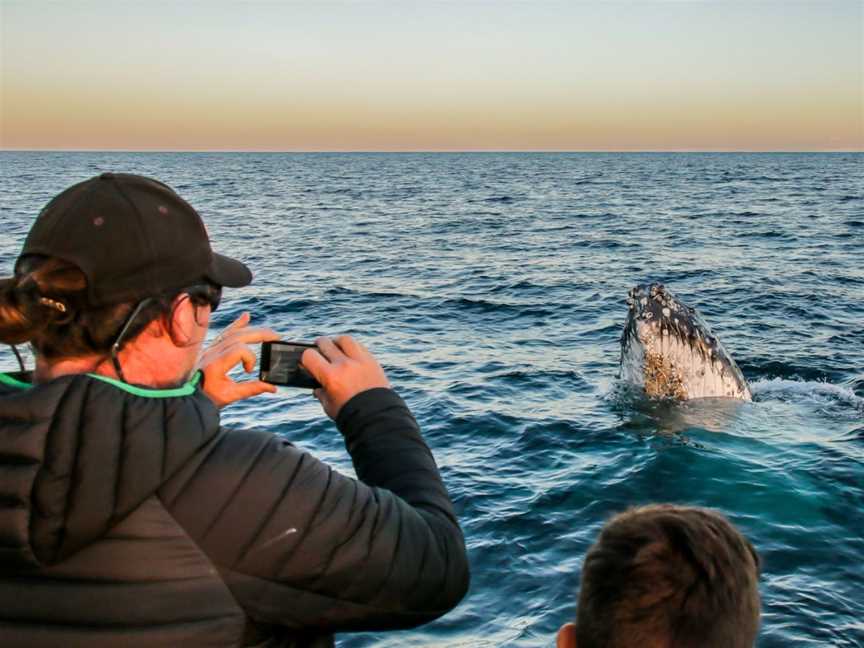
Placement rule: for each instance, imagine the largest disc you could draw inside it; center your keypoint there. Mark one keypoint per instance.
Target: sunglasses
(205, 295)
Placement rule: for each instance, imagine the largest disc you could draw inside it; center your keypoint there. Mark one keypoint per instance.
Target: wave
(806, 389)
(624, 394)
(463, 304)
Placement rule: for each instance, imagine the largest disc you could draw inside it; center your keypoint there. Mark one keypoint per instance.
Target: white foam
(807, 389)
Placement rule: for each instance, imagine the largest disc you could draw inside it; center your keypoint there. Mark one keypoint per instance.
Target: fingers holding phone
(344, 368)
(336, 369)
(230, 348)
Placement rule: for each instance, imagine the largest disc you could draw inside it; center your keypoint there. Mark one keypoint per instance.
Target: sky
(401, 75)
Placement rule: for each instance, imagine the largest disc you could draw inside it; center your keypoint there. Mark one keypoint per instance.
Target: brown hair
(46, 304)
(665, 576)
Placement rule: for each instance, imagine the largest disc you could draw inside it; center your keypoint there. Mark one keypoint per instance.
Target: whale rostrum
(668, 350)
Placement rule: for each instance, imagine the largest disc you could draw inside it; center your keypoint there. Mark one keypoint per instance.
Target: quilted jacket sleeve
(303, 546)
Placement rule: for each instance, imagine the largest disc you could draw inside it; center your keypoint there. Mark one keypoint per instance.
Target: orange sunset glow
(440, 76)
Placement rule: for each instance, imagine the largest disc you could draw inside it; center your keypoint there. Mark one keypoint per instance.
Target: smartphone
(280, 365)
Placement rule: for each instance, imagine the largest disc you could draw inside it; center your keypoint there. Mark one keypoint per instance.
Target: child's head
(665, 576)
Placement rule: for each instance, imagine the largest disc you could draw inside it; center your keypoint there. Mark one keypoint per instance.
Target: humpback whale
(668, 350)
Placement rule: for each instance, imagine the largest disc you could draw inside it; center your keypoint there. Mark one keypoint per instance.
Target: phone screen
(280, 364)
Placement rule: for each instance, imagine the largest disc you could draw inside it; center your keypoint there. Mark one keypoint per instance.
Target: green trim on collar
(13, 382)
(184, 390)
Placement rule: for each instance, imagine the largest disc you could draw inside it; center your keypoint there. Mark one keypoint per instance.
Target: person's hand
(344, 367)
(229, 349)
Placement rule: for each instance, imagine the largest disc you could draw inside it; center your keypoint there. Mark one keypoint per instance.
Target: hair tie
(51, 303)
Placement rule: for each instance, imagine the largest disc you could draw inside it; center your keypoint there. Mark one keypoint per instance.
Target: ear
(181, 322)
(566, 636)
(155, 328)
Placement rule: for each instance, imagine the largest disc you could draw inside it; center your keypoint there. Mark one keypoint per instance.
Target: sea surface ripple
(492, 286)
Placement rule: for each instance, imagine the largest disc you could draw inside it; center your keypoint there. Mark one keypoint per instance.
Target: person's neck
(138, 373)
(47, 370)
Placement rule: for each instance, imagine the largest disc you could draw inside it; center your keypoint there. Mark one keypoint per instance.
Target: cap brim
(225, 271)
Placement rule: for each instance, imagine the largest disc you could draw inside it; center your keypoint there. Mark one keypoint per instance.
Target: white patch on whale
(678, 359)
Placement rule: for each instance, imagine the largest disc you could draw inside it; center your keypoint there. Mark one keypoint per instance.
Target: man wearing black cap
(129, 517)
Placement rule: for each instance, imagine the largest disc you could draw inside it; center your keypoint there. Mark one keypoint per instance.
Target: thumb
(253, 388)
(248, 358)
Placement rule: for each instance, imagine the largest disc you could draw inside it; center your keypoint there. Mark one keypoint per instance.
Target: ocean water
(492, 287)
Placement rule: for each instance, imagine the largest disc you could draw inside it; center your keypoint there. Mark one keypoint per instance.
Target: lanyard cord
(115, 348)
(18, 356)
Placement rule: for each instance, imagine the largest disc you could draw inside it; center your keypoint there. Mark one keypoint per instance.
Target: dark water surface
(492, 286)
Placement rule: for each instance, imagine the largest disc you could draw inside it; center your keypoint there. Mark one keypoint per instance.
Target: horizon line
(410, 151)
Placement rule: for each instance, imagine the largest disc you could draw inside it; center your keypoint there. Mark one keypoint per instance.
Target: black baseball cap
(133, 237)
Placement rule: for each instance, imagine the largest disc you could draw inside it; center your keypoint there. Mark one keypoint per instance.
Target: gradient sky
(403, 75)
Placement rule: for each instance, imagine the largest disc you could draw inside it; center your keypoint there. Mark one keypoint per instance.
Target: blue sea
(492, 288)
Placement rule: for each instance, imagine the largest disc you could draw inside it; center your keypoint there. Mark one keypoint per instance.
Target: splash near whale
(668, 350)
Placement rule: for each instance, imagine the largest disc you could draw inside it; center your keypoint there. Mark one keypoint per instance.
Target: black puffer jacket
(133, 519)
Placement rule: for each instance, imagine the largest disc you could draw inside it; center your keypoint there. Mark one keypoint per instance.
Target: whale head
(668, 350)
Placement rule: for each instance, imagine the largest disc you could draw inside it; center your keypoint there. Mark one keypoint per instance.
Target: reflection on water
(668, 416)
